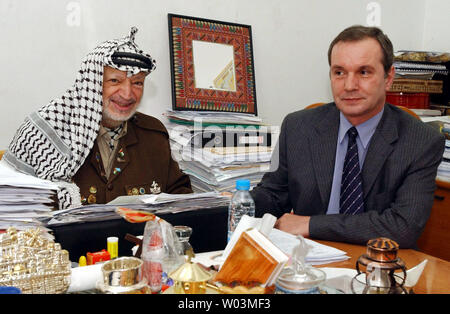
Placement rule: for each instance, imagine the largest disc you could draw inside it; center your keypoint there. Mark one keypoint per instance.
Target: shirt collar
(103, 130)
(365, 129)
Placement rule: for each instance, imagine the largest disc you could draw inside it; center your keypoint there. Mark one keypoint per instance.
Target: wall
(43, 42)
(437, 25)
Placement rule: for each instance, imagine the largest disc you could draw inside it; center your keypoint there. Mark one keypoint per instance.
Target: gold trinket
(33, 263)
(92, 199)
(93, 189)
(155, 189)
(190, 278)
(135, 191)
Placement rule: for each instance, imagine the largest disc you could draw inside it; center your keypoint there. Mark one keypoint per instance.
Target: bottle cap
(82, 261)
(183, 232)
(243, 184)
(112, 239)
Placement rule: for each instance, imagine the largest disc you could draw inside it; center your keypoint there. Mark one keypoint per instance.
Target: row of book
(421, 80)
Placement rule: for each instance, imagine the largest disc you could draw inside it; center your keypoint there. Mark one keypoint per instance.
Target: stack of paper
(154, 203)
(443, 125)
(207, 118)
(214, 163)
(417, 70)
(317, 254)
(25, 201)
(443, 171)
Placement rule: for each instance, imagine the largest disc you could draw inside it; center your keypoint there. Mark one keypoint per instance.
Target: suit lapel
(380, 148)
(323, 148)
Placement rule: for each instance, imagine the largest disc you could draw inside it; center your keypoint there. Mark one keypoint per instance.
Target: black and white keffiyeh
(53, 142)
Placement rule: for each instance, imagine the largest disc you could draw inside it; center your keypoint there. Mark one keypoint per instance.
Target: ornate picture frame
(199, 46)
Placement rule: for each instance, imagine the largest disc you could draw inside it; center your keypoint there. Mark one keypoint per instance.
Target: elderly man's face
(121, 96)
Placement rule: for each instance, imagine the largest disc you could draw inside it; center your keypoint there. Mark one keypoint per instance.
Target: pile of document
(442, 123)
(443, 172)
(317, 253)
(25, 201)
(225, 148)
(154, 203)
(415, 70)
(215, 118)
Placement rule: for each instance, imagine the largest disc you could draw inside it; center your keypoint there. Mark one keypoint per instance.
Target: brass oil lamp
(380, 271)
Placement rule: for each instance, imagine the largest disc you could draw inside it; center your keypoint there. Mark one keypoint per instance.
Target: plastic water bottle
(241, 204)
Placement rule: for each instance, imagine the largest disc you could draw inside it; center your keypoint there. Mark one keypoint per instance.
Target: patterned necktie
(351, 200)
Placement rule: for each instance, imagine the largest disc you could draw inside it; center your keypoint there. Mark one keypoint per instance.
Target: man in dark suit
(318, 189)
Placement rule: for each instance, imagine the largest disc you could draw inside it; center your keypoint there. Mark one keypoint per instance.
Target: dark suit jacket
(145, 157)
(398, 176)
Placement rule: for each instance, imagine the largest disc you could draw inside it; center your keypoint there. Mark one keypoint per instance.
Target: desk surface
(435, 278)
(209, 234)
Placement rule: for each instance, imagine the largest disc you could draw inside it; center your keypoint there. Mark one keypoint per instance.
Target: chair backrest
(409, 111)
(317, 104)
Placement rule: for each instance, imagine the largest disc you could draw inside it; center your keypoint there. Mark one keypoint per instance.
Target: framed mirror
(211, 65)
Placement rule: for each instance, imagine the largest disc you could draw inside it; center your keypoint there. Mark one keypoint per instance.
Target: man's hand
(294, 224)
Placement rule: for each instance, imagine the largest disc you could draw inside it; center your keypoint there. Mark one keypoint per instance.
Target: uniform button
(110, 186)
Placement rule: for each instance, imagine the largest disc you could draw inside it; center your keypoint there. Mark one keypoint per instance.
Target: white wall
(437, 25)
(41, 52)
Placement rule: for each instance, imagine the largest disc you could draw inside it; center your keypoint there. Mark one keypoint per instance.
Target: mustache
(122, 101)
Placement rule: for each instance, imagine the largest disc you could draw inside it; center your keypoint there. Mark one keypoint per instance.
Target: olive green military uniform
(143, 165)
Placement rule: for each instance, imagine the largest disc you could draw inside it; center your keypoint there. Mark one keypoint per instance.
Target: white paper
(85, 277)
(318, 253)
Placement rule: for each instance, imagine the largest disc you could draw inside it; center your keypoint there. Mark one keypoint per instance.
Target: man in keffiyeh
(92, 142)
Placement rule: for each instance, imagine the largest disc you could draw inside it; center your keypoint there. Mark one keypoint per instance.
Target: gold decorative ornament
(33, 263)
(190, 278)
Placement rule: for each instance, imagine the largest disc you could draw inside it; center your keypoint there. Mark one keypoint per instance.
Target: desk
(435, 239)
(209, 232)
(435, 277)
